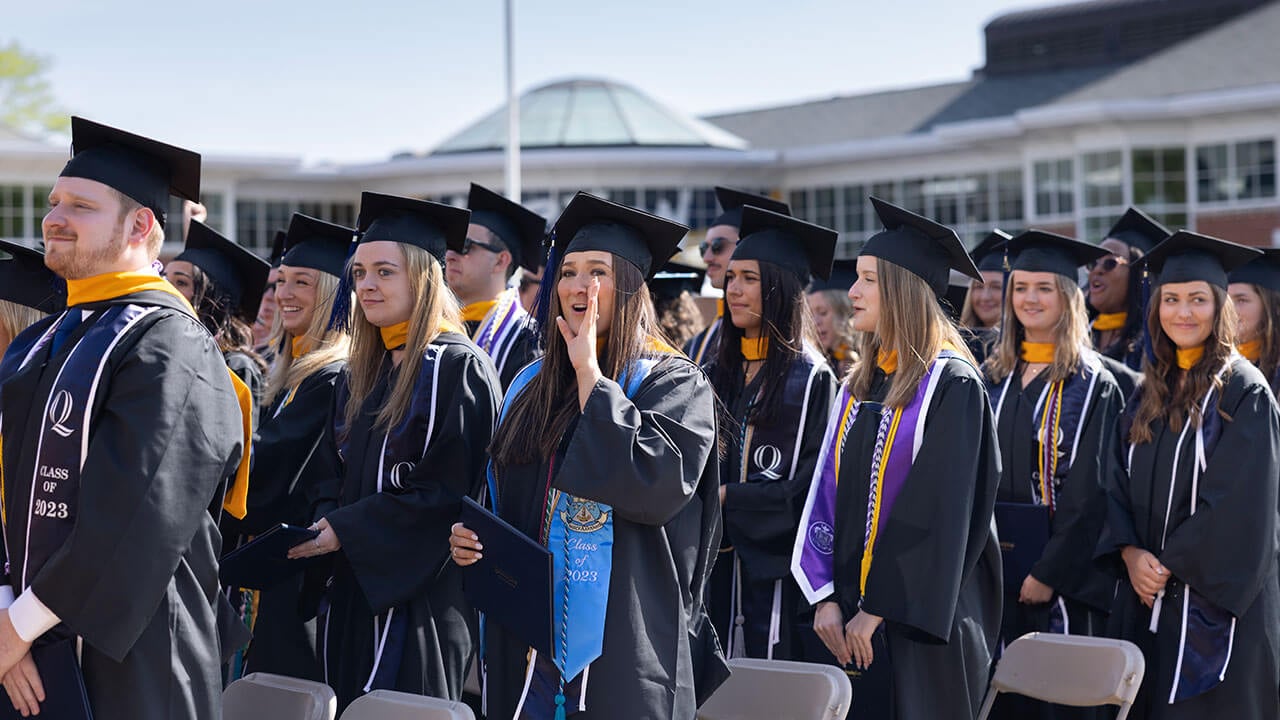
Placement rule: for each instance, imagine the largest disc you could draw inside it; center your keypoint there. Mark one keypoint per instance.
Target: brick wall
(1247, 227)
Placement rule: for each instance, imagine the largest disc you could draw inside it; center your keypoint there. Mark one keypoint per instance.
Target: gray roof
(1240, 53)
(839, 119)
(1004, 95)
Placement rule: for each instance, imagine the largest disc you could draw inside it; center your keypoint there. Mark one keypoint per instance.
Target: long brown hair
(542, 413)
(433, 305)
(1070, 334)
(1269, 333)
(913, 325)
(324, 346)
(1168, 394)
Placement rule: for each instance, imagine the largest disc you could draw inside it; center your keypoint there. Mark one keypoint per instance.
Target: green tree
(26, 97)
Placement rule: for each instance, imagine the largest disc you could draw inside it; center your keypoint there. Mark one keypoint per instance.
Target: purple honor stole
(1207, 631)
(898, 439)
(64, 433)
(498, 330)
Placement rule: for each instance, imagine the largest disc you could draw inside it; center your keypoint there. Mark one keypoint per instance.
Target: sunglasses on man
(716, 246)
(469, 243)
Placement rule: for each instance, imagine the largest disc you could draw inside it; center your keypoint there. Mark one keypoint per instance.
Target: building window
(343, 214)
(1236, 171)
(1054, 187)
(1103, 179)
(663, 202)
(623, 196)
(913, 196)
(248, 229)
(1159, 177)
(824, 207)
(13, 211)
(215, 205)
(799, 203)
(853, 216)
(1010, 208)
(703, 209)
(310, 209)
(39, 207)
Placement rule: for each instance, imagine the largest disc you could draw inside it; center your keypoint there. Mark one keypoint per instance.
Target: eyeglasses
(715, 246)
(469, 243)
(1109, 263)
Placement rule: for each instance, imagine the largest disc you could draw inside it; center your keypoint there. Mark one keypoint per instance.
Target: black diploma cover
(511, 583)
(1024, 532)
(263, 561)
(64, 694)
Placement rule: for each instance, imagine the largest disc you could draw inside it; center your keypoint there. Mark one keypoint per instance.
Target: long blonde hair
(913, 325)
(15, 318)
(324, 346)
(1070, 334)
(433, 305)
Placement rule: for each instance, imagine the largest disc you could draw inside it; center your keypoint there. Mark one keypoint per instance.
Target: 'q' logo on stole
(583, 516)
(60, 412)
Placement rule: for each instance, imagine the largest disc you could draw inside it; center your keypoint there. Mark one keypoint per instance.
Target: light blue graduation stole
(580, 538)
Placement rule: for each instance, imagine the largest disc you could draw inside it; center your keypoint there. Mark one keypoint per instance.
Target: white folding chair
(392, 705)
(1069, 670)
(771, 689)
(263, 695)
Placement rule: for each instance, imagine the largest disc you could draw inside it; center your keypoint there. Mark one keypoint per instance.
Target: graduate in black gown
(293, 479)
(28, 290)
(1191, 526)
(829, 305)
(1045, 381)
(1255, 294)
(717, 248)
(503, 236)
(777, 390)
(673, 289)
(225, 282)
(983, 303)
(1115, 289)
(895, 544)
(606, 455)
(113, 490)
(414, 415)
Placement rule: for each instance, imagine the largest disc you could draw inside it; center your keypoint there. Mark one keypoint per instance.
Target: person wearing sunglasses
(716, 248)
(502, 236)
(1115, 292)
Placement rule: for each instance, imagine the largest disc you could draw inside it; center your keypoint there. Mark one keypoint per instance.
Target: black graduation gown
(247, 370)
(761, 512)
(1226, 551)
(1127, 351)
(395, 541)
(1068, 564)
(1127, 379)
(137, 579)
(653, 459)
(702, 348)
(936, 576)
(979, 341)
(523, 348)
(293, 481)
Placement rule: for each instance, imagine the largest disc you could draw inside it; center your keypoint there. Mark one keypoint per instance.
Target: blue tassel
(542, 303)
(1148, 349)
(560, 706)
(340, 318)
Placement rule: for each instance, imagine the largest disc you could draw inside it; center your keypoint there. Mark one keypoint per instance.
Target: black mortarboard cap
(278, 246)
(593, 223)
(1262, 271)
(732, 201)
(25, 280)
(919, 245)
(143, 169)
(1137, 229)
(1040, 251)
(432, 226)
(234, 270)
(988, 255)
(519, 228)
(801, 248)
(843, 274)
(675, 278)
(318, 245)
(1188, 256)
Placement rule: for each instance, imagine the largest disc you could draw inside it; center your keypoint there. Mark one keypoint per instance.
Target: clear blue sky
(350, 81)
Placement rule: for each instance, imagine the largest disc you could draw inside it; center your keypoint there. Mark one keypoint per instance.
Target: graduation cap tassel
(340, 318)
(542, 303)
(1004, 288)
(1148, 350)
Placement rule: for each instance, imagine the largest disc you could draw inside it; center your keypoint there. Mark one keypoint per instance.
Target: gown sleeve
(766, 514)
(398, 539)
(942, 517)
(643, 457)
(524, 350)
(1226, 549)
(166, 436)
(1081, 504)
